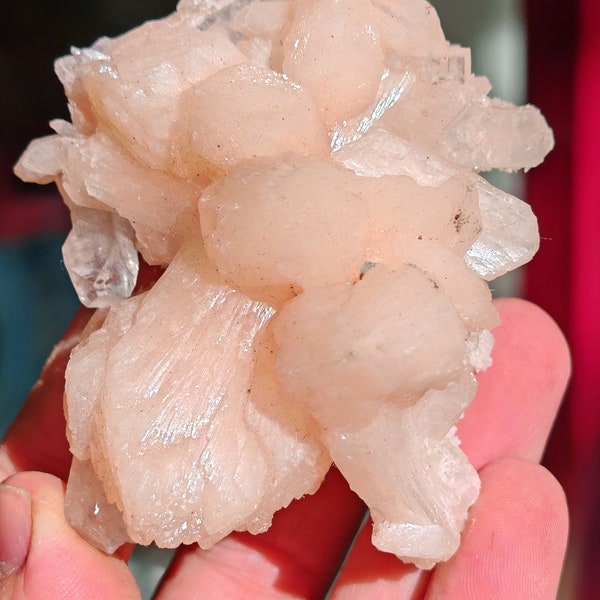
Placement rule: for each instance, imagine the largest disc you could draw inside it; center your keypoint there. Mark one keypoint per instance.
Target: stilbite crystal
(178, 388)
(308, 173)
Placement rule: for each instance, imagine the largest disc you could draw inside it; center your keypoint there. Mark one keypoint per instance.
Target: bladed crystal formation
(307, 172)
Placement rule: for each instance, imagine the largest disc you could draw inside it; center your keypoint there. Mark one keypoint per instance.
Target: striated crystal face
(308, 173)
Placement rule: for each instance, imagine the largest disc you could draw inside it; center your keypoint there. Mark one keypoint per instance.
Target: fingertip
(7, 467)
(532, 325)
(15, 528)
(519, 395)
(515, 541)
(59, 562)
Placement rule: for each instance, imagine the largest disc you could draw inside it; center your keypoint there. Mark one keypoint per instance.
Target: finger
(519, 395)
(514, 544)
(369, 573)
(58, 563)
(295, 558)
(511, 415)
(36, 440)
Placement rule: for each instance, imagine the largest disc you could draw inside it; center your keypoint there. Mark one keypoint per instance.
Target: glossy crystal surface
(308, 172)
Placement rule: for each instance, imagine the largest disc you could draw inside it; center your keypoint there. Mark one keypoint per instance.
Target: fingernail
(6, 466)
(15, 528)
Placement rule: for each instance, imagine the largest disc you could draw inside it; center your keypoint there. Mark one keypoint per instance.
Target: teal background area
(36, 304)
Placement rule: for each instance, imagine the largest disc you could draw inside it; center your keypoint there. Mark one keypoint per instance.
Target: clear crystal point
(101, 258)
(509, 236)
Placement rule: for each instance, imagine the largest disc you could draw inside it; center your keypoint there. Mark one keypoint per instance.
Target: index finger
(519, 396)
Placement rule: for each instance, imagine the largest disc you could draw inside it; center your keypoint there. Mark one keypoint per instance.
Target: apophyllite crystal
(307, 172)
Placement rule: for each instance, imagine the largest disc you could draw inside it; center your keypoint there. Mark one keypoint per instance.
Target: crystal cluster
(307, 172)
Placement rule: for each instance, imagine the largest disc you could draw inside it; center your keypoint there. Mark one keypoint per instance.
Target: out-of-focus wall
(495, 32)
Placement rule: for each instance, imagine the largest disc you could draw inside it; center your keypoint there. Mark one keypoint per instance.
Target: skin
(513, 545)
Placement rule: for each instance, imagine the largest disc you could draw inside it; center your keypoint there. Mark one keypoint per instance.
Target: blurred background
(546, 53)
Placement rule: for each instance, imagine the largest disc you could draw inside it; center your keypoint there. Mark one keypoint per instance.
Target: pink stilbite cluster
(307, 172)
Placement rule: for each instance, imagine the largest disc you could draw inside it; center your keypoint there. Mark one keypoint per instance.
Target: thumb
(41, 556)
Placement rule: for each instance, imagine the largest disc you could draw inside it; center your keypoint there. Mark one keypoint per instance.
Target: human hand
(513, 545)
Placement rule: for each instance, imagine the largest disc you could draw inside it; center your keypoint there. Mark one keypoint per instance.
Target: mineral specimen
(307, 172)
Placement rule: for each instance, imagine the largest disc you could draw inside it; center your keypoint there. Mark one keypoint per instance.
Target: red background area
(564, 278)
